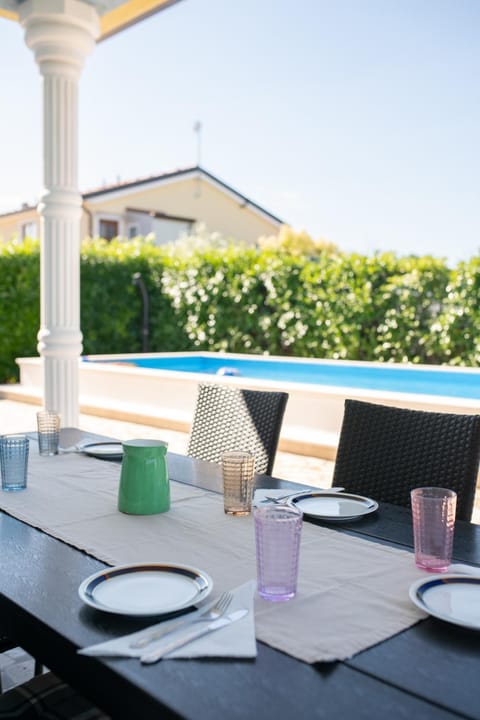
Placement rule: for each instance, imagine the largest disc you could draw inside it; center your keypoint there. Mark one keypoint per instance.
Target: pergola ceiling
(115, 15)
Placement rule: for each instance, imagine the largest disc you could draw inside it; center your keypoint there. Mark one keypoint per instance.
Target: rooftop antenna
(197, 128)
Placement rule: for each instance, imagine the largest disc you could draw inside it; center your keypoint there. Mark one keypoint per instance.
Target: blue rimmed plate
(453, 598)
(145, 589)
(333, 506)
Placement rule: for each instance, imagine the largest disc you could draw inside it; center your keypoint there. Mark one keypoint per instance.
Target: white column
(61, 34)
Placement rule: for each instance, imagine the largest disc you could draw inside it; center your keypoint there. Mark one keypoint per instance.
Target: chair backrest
(384, 452)
(231, 418)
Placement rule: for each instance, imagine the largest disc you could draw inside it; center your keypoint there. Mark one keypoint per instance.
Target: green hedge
(19, 305)
(228, 297)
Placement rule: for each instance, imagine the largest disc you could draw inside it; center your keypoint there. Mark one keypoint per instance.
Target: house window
(29, 229)
(108, 229)
(133, 231)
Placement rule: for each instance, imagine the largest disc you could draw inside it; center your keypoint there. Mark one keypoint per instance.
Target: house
(166, 205)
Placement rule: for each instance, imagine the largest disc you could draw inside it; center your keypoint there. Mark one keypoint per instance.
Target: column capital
(61, 33)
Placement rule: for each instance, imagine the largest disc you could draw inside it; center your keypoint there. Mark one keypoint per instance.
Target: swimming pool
(441, 381)
(160, 389)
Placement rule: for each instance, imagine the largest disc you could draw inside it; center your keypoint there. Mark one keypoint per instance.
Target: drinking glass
(48, 424)
(433, 511)
(238, 469)
(14, 461)
(278, 530)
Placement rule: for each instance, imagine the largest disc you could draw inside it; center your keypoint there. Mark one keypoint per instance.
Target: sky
(356, 120)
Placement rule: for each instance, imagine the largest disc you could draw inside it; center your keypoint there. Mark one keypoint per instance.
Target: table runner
(352, 593)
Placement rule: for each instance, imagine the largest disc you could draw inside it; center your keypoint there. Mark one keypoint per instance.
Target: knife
(157, 633)
(191, 635)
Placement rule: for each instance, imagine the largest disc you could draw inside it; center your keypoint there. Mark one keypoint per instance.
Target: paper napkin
(235, 640)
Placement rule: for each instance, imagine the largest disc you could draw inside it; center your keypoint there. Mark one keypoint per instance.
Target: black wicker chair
(231, 418)
(47, 697)
(384, 452)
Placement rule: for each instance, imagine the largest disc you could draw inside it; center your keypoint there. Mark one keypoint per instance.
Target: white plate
(334, 506)
(453, 598)
(145, 589)
(104, 450)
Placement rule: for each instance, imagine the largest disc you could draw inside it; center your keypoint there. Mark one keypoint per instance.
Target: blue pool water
(450, 383)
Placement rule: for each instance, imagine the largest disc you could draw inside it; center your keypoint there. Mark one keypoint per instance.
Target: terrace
(56, 636)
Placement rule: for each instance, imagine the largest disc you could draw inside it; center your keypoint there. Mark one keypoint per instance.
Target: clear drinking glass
(14, 461)
(433, 512)
(278, 530)
(238, 470)
(48, 425)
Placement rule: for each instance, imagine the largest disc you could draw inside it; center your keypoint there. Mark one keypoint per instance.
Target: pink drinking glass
(433, 512)
(278, 530)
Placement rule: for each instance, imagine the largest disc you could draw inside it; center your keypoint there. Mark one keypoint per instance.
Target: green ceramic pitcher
(144, 486)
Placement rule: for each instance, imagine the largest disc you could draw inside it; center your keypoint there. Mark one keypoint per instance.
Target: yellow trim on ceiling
(8, 14)
(128, 14)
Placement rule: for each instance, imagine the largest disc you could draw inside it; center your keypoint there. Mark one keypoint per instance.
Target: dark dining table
(430, 670)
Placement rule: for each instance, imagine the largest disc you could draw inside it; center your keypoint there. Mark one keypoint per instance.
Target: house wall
(169, 230)
(86, 229)
(141, 221)
(138, 223)
(11, 225)
(191, 198)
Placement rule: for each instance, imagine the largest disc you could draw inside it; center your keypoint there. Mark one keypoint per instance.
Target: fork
(280, 500)
(72, 449)
(211, 612)
(77, 448)
(277, 500)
